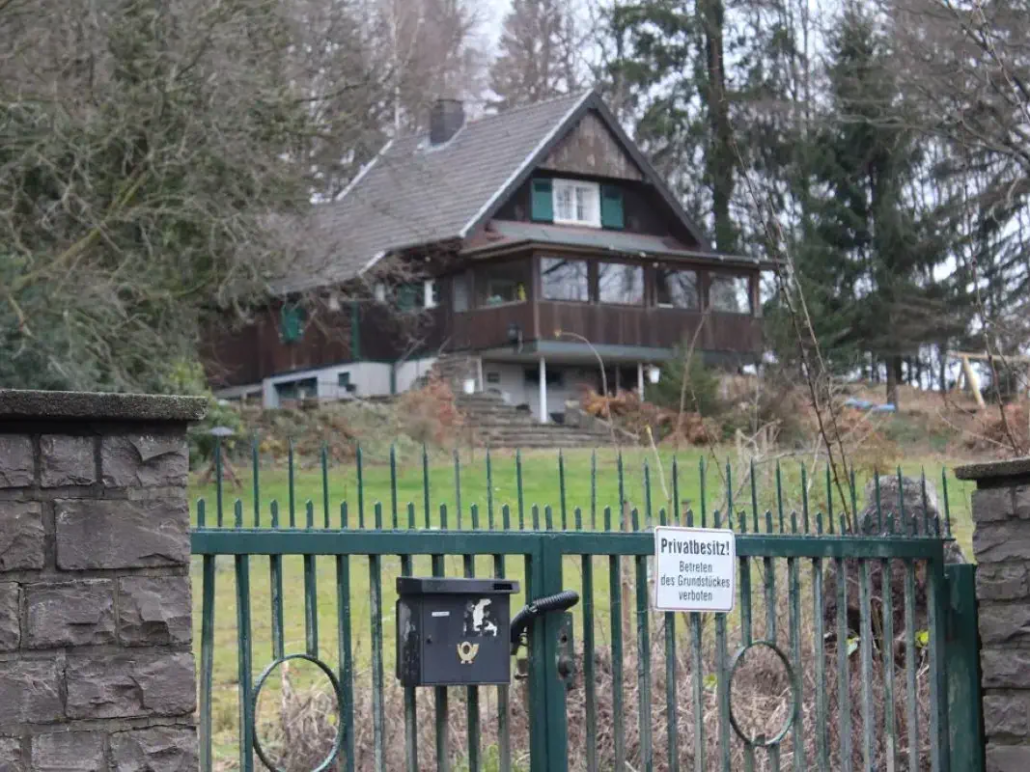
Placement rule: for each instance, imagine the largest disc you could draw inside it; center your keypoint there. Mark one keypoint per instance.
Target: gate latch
(520, 625)
(524, 620)
(566, 653)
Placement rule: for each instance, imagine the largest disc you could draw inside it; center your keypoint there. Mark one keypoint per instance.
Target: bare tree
(538, 54)
(336, 62)
(966, 64)
(429, 49)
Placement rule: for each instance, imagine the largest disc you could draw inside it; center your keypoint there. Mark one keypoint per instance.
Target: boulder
(903, 510)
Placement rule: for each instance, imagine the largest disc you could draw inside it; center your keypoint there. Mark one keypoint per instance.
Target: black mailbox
(453, 631)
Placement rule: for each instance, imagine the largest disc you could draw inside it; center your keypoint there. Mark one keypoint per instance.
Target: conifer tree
(867, 256)
(537, 58)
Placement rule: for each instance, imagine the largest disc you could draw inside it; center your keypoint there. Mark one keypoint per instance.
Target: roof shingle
(415, 193)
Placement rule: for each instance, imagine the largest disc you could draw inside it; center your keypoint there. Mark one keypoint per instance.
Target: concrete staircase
(495, 424)
(455, 369)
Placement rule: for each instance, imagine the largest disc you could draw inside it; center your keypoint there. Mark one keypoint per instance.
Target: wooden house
(519, 248)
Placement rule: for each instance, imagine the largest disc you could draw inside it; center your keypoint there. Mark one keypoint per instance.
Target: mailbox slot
(453, 632)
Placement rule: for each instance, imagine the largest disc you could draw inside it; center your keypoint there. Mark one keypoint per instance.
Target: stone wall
(1001, 544)
(96, 665)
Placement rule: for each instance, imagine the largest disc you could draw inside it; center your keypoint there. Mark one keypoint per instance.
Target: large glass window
(677, 289)
(730, 293)
(620, 283)
(564, 279)
(503, 283)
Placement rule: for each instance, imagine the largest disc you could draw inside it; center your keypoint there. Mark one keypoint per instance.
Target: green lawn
(540, 488)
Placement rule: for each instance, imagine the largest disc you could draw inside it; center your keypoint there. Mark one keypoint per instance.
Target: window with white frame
(429, 288)
(577, 203)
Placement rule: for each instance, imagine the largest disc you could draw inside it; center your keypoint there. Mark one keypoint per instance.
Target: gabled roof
(413, 193)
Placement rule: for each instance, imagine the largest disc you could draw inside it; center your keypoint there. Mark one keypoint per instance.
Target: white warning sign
(695, 569)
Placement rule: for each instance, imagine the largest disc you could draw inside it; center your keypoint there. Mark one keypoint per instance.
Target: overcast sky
(492, 12)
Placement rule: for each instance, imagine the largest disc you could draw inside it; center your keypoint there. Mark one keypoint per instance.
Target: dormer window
(577, 203)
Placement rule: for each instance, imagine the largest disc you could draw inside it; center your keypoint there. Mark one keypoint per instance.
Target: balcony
(650, 327)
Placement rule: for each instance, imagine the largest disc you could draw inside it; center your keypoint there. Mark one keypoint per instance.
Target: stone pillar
(1001, 545)
(96, 664)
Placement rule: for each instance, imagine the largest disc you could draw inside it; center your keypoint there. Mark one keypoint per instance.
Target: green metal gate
(873, 641)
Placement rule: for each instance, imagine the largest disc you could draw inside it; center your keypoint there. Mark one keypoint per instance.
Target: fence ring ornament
(334, 752)
(760, 740)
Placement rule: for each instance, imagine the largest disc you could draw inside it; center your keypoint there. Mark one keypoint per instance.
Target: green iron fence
(876, 669)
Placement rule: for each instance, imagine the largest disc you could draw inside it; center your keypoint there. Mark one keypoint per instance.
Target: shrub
(635, 417)
(430, 414)
(702, 385)
(221, 414)
(187, 377)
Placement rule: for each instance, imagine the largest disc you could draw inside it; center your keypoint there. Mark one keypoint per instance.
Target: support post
(640, 380)
(543, 390)
(962, 651)
(973, 382)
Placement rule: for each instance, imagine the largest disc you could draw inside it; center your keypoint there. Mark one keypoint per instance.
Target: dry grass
(301, 731)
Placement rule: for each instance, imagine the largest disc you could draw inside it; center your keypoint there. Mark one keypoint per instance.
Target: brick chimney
(445, 118)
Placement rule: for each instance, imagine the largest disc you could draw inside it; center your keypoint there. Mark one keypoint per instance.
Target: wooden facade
(591, 150)
(663, 328)
(255, 351)
(248, 353)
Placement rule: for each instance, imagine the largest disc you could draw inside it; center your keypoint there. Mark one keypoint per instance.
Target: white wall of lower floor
(516, 382)
(409, 372)
(367, 379)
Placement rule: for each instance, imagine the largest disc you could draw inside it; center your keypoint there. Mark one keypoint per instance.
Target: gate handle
(523, 620)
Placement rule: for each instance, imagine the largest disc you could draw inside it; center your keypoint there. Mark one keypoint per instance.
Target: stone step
(495, 423)
(537, 426)
(515, 426)
(517, 439)
(540, 430)
(537, 445)
(501, 410)
(499, 422)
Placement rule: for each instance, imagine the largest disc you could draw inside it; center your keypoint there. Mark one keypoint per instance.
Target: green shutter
(543, 201)
(611, 207)
(355, 333)
(406, 297)
(291, 323)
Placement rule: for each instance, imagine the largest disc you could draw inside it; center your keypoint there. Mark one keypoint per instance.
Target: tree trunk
(893, 379)
(721, 158)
